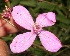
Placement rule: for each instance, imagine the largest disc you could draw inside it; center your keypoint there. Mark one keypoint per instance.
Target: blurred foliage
(61, 29)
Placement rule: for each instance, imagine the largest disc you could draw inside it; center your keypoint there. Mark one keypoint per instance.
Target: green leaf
(68, 3)
(28, 3)
(63, 19)
(46, 5)
(13, 2)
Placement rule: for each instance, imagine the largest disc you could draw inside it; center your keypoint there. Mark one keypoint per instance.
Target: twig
(68, 46)
(39, 46)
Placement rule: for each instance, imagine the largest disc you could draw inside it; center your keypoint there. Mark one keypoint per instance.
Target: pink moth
(23, 41)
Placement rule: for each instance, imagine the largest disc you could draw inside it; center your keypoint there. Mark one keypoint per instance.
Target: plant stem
(60, 52)
(39, 46)
(8, 4)
(68, 46)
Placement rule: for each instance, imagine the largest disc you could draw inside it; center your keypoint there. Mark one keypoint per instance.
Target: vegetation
(61, 29)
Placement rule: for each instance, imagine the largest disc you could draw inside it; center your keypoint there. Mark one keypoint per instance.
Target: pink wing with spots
(46, 19)
(22, 42)
(22, 17)
(50, 41)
